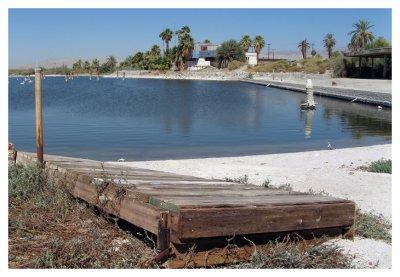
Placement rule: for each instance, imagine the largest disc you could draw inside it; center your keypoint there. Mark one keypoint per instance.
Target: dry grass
(310, 65)
(298, 253)
(48, 228)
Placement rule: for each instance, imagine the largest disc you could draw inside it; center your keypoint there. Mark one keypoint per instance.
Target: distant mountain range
(58, 62)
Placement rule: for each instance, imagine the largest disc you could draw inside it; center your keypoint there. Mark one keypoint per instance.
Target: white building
(251, 58)
(204, 55)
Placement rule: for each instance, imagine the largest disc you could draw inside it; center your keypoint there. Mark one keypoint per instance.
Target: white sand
(367, 253)
(333, 171)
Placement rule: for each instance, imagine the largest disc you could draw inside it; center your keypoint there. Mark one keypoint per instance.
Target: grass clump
(371, 226)
(380, 166)
(277, 66)
(235, 65)
(297, 253)
(49, 228)
(314, 65)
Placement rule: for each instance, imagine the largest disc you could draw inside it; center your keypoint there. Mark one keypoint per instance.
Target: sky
(43, 34)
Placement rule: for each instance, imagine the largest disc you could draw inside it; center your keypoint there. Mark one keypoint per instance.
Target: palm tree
(111, 63)
(246, 43)
(229, 51)
(329, 43)
(95, 65)
(185, 48)
(183, 30)
(258, 44)
(166, 37)
(77, 66)
(361, 35)
(86, 66)
(303, 46)
(155, 50)
(207, 41)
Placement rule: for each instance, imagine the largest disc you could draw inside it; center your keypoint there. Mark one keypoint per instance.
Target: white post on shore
(123, 75)
(38, 109)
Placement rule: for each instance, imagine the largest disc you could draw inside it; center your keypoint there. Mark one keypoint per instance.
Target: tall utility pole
(312, 47)
(268, 49)
(38, 109)
(273, 54)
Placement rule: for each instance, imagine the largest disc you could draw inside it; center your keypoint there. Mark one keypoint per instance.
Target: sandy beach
(332, 171)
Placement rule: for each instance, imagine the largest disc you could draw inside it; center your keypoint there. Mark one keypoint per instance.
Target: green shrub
(25, 182)
(338, 64)
(381, 166)
(371, 226)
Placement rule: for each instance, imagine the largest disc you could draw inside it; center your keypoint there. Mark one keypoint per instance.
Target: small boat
(23, 82)
(30, 81)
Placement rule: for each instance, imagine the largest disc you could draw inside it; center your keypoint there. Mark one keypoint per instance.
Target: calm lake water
(142, 119)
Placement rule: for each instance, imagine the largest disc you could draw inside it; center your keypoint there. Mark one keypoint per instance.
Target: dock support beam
(384, 66)
(38, 108)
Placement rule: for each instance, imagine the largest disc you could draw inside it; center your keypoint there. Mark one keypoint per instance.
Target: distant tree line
(230, 51)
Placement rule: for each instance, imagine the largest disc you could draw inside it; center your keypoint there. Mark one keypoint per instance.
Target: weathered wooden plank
(198, 223)
(209, 192)
(111, 200)
(187, 201)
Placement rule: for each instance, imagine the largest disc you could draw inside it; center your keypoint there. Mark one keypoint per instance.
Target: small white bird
(121, 160)
(329, 146)
(379, 108)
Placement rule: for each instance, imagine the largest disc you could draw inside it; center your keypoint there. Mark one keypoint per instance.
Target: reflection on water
(308, 124)
(156, 119)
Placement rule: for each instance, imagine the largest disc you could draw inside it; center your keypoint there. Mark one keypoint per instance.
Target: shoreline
(366, 91)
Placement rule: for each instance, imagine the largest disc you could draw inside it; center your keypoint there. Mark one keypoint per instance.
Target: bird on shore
(121, 160)
(329, 146)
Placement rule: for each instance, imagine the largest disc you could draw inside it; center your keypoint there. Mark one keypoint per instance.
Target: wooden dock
(194, 218)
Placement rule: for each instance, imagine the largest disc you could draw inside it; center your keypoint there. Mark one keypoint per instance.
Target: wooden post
(384, 67)
(372, 68)
(38, 108)
(123, 75)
